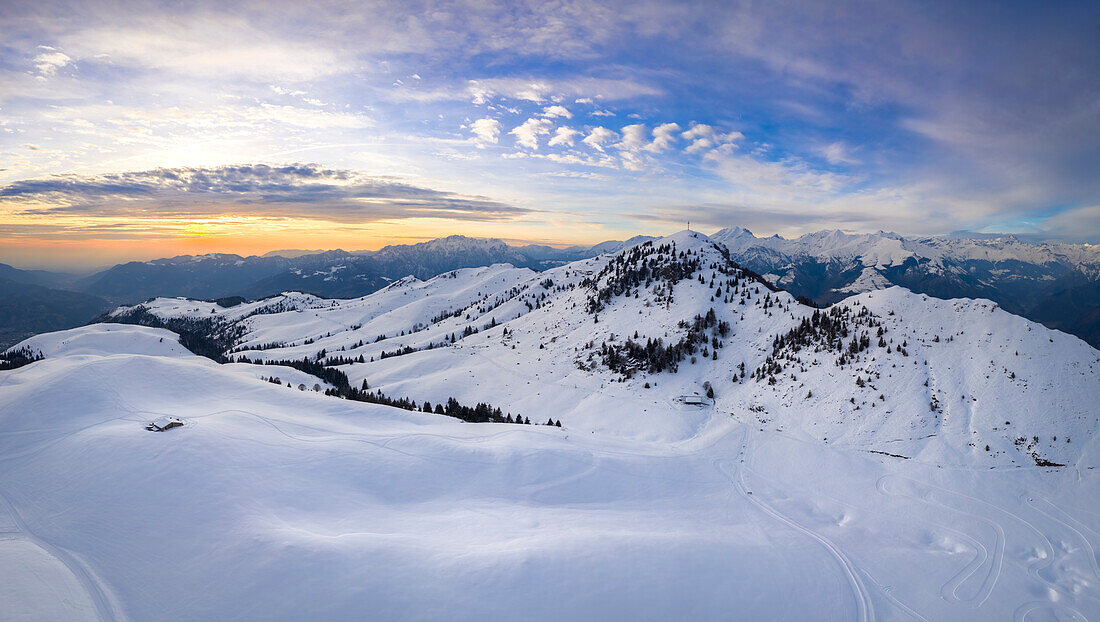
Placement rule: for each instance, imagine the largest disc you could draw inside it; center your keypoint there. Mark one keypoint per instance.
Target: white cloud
(482, 91)
(307, 118)
(577, 175)
(539, 90)
(281, 91)
(631, 161)
(551, 112)
(169, 124)
(838, 153)
(486, 130)
(792, 181)
(564, 136)
(600, 137)
(312, 101)
(599, 160)
(663, 137)
(527, 134)
(703, 136)
(635, 137)
(199, 47)
(49, 60)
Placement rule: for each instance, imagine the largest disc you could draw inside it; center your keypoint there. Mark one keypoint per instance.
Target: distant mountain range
(35, 301)
(28, 306)
(1052, 283)
(331, 274)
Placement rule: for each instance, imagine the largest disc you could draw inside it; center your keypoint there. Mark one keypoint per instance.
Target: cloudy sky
(138, 130)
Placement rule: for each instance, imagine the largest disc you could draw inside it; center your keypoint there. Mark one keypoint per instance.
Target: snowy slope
(836, 477)
(199, 309)
(405, 306)
(869, 280)
(271, 503)
(967, 367)
(103, 339)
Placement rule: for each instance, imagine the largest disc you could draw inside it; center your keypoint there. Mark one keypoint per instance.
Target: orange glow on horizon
(87, 244)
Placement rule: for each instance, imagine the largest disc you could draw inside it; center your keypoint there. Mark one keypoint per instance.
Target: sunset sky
(139, 130)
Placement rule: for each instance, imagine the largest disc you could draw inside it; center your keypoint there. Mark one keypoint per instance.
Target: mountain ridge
(1030, 279)
(652, 292)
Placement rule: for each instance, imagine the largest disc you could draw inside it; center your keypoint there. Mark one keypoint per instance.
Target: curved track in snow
(923, 493)
(1069, 614)
(865, 611)
(107, 606)
(1068, 523)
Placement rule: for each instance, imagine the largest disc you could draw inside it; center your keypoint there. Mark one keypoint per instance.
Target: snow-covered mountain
(890, 249)
(934, 377)
(334, 274)
(1056, 284)
(723, 448)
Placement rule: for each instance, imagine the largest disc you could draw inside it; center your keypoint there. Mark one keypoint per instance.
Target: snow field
(274, 503)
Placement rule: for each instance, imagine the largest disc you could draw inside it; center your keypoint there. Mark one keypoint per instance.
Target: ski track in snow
(951, 588)
(887, 592)
(107, 606)
(865, 611)
(1023, 611)
(1035, 569)
(1066, 523)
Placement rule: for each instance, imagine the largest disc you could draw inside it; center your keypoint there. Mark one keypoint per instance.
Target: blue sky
(134, 129)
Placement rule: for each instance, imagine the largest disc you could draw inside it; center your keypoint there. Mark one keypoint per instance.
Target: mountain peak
(730, 233)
